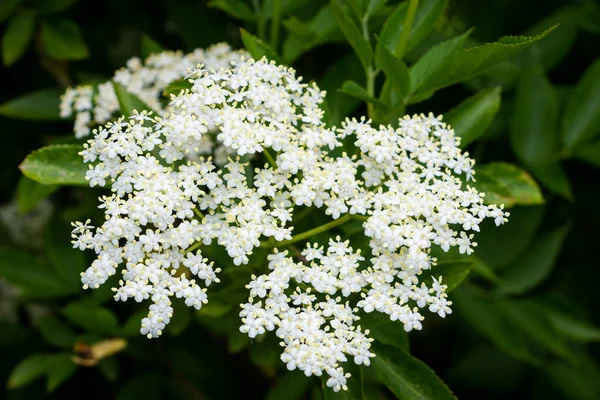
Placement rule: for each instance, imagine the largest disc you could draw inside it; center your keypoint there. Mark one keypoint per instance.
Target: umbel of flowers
(169, 199)
(147, 80)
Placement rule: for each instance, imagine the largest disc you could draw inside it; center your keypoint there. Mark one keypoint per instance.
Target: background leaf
(291, 385)
(91, 318)
(433, 60)
(61, 368)
(58, 164)
(534, 133)
(427, 14)
(150, 46)
(532, 267)
(29, 369)
(61, 39)
(361, 45)
(452, 272)
(56, 332)
(472, 117)
(129, 102)
(30, 193)
(7, 7)
(257, 48)
(407, 377)
(17, 36)
(581, 121)
(469, 62)
(26, 272)
(41, 105)
(395, 70)
(513, 185)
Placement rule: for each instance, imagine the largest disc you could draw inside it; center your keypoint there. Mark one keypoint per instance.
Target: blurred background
(525, 323)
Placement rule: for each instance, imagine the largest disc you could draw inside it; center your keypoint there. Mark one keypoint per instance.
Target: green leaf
(322, 28)
(91, 318)
(150, 46)
(52, 6)
(359, 44)
(42, 105)
(589, 153)
(407, 377)
(340, 105)
(395, 70)
(7, 7)
(485, 315)
(384, 330)
(570, 325)
(591, 21)
(134, 323)
(17, 36)
(427, 14)
(581, 121)
(67, 262)
(30, 193)
(355, 90)
(257, 48)
(433, 60)
(147, 386)
(554, 178)
(61, 39)
(452, 272)
(29, 369)
(58, 164)
(109, 367)
(357, 7)
(235, 8)
(56, 332)
(374, 6)
(291, 385)
(26, 272)
(175, 87)
(299, 29)
(471, 118)
(180, 320)
(484, 271)
(533, 130)
(553, 49)
(511, 185)
(534, 265)
(129, 102)
(467, 63)
(577, 380)
(61, 368)
(500, 246)
(530, 318)
(495, 191)
(482, 367)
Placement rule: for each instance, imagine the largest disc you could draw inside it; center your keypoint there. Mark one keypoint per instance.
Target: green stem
(312, 232)
(275, 24)
(193, 247)
(406, 28)
(269, 158)
(198, 213)
(369, 73)
(261, 28)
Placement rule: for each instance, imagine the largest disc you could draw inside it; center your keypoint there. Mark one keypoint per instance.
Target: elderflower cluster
(146, 79)
(317, 331)
(169, 199)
